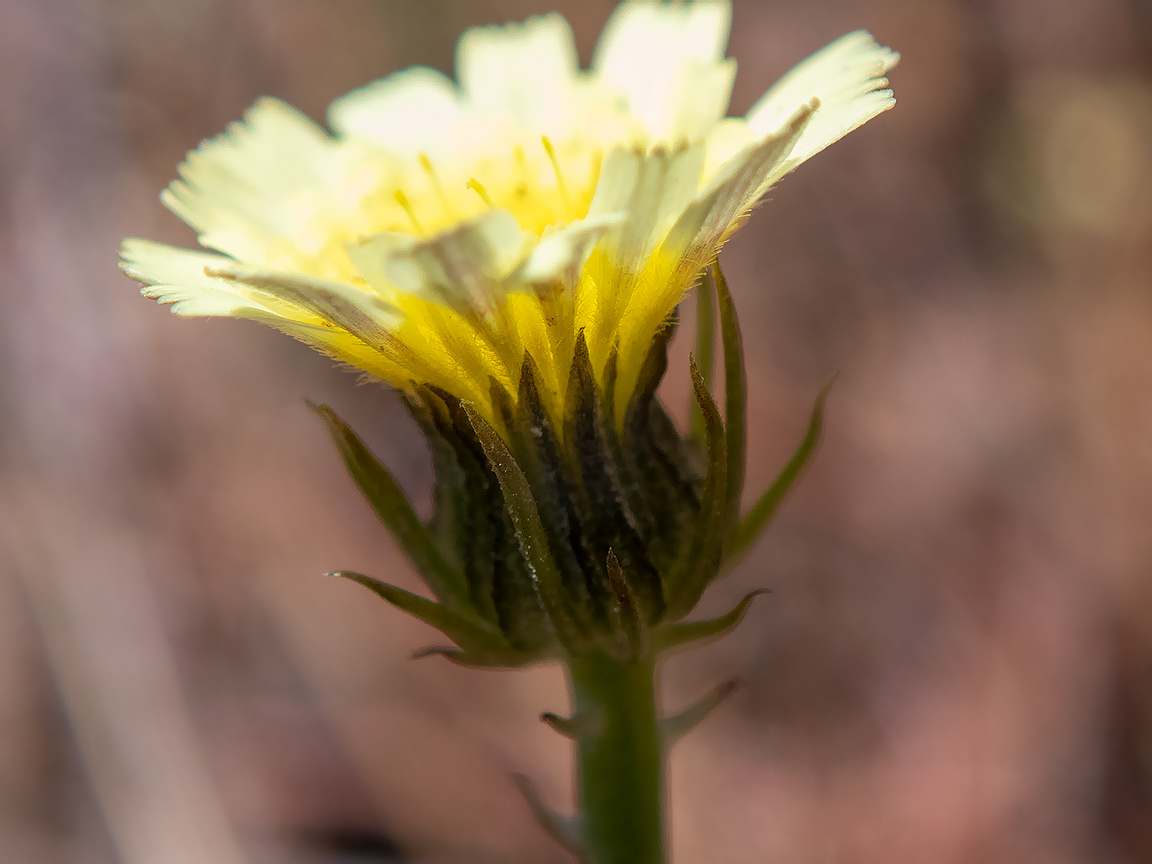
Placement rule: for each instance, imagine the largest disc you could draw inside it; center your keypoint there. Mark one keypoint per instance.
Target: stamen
(561, 186)
(426, 164)
(403, 201)
(521, 160)
(479, 188)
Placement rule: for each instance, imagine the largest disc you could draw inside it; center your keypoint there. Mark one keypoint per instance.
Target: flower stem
(620, 759)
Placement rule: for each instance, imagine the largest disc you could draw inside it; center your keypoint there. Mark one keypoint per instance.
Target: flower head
(509, 251)
(448, 231)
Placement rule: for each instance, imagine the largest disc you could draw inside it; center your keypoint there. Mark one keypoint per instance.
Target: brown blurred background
(956, 664)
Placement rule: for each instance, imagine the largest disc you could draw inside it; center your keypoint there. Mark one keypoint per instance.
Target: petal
(349, 307)
(692, 241)
(182, 278)
(176, 276)
(700, 98)
(667, 61)
(523, 73)
(343, 346)
(462, 268)
(704, 225)
(651, 189)
(413, 111)
(848, 79)
(559, 257)
(260, 183)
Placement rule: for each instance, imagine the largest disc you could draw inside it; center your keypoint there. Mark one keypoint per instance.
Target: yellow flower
(446, 229)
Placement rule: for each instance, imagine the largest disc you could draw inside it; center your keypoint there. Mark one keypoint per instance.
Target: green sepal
(479, 514)
(450, 504)
(537, 449)
(575, 727)
(735, 400)
(629, 618)
(671, 636)
(510, 659)
(521, 508)
(586, 462)
(630, 487)
(605, 517)
(765, 508)
(678, 725)
(705, 345)
(393, 509)
(465, 631)
(517, 603)
(699, 561)
(656, 474)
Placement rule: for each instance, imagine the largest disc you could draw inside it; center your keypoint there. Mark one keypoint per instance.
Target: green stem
(619, 759)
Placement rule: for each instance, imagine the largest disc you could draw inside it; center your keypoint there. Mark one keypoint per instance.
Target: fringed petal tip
(847, 77)
(178, 277)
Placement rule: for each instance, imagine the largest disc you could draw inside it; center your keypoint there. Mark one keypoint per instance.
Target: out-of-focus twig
(110, 657)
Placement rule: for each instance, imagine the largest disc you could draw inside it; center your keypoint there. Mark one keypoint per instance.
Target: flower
(445, 231)
(509, 253)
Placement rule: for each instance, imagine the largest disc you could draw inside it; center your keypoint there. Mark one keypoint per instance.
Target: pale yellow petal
(349, 307)
(260, 184)
(176, 276)
(651, 188)
(848, 79)
(182, 278)
(559, 257)
(521, 74)
(703, 226)
(659, 56)
(725, 140)
(700, 98)
(691, 243)
(464, 268)
(417, 110)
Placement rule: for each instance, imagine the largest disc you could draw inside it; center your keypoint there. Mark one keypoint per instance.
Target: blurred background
(956, 662)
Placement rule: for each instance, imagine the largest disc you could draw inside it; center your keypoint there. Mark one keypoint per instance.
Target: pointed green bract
(463, 630)
(630, 619)
(537, 449)
(563, 725)
(675, 635)
(705, 344)
(450, 505)
(607, 521)
(516, 600)
(765, 508)
(658, 480)
(529, 530)
(394, 510)
(597, 503)
(475, 659)
(481, 515)
(700, 559)
(735, 400)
